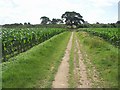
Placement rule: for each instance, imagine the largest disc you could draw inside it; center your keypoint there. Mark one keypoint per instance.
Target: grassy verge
(103, 55)
(37, 66)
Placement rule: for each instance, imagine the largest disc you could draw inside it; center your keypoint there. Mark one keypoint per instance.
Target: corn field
(15, 41)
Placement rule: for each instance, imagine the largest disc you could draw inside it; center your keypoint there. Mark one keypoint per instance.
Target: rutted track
(81, 76)
(83, 81)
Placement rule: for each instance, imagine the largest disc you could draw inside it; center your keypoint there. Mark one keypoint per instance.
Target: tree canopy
(56, 21)
(45, 20)
(72, 18)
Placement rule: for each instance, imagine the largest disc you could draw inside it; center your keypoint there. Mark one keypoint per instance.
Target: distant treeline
(97, 25)
(20, 25)
(85, 25)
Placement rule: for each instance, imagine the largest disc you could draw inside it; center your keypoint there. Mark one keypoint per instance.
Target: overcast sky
(20, 11)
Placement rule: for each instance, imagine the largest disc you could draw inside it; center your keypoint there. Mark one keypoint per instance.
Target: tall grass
(103, 55)
(37, 66)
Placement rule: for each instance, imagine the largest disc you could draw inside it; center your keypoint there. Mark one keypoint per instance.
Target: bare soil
(83, 81)
(61, 78)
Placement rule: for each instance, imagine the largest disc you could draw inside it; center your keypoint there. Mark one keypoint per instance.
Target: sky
(119, 10)
(20, 11)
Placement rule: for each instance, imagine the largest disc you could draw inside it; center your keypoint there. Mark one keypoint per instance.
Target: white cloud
(103, 3)
(106, 10)
(31, 10)
(119, 10)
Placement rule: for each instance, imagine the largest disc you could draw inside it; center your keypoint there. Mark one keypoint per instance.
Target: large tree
(56, 21)
(118, 23)
(45, 20)
(59, 21)
(72, 18)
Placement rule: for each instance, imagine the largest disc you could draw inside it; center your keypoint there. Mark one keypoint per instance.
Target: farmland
(15, 41)
(103, 55)
(111, 35)
(66, 44)
(37, 66)
(44, 48)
